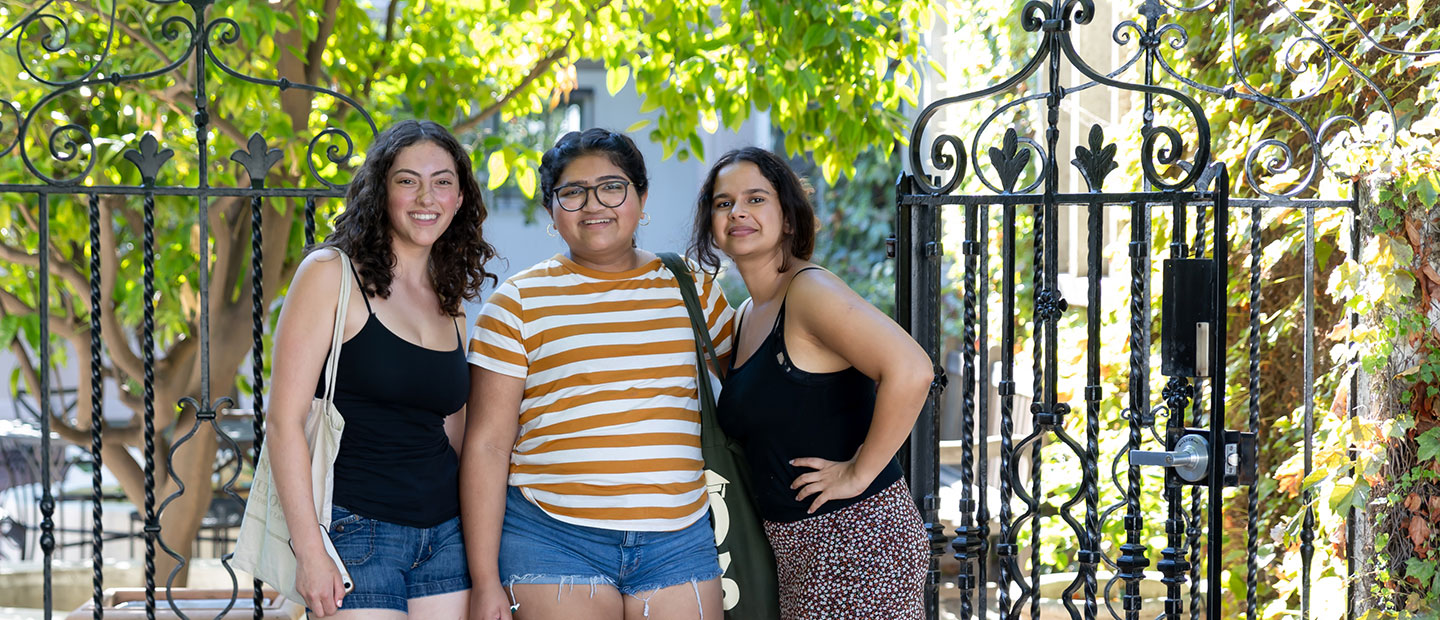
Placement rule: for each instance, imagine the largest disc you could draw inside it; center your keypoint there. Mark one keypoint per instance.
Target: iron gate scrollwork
(997, 540)
(64, 167)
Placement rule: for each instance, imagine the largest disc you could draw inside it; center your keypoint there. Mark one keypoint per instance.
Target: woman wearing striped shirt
(582, 491)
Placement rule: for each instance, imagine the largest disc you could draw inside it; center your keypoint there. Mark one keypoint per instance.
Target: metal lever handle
(1190, 459)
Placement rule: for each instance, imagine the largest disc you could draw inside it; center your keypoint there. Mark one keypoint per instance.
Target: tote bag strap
(704, 347)
(332, 364)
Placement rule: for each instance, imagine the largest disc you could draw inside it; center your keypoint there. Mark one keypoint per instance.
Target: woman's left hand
(830, 480)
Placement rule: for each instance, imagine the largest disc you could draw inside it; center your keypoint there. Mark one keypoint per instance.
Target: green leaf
(697, 146)
(497, 169)
(638, 125)
(1419, 569)
(814, 35)
(526, 179)
(616, 78)
(1413, 10)
(1429, 445)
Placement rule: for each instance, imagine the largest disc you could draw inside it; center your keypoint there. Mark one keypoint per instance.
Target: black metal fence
(63, 168)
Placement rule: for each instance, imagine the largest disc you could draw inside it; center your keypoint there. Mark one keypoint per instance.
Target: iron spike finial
(149, 158)
(257, 158)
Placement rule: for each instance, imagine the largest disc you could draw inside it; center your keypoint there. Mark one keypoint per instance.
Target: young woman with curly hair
(412, 229)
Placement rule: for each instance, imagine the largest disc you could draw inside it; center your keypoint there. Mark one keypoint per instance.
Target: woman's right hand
(488, 601)
(318, 582)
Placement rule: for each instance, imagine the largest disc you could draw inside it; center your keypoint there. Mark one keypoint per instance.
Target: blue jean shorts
(391, 564)
(536, 548)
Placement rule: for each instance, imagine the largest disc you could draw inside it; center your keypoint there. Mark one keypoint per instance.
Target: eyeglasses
(610, 194)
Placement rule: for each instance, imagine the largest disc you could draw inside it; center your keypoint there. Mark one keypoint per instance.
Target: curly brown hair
(458, 258)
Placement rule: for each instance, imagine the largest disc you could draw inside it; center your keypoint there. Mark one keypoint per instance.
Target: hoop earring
(550, 229)
(644, 219)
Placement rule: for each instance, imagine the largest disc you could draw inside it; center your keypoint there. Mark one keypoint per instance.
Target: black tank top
(395, 462)
(779, 412)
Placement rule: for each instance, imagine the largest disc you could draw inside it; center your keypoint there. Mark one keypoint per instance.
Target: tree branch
(314, 55)
(58, 266)
(536, 71)
(123, 358)
(11, 304)
(390, 13)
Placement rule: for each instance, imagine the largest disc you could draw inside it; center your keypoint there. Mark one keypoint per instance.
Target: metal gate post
(917, 282)
(1216, 536)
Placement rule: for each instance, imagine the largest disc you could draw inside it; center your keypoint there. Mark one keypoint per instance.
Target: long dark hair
(615, 146)
(457, 260)
(790, 192)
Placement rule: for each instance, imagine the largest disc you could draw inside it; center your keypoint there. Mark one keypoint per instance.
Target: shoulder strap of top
(780, 316)
(363, 297)
(332, 363)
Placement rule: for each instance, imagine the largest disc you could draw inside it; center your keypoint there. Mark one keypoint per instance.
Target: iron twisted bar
(1006, 550)
(97, 417)
(1132, 561)
(148, 159)
(1252, 527)
(1090, 559)
(257, 354)
(47, 499)
(257, 161)
(1033, 500)
(967, 540)
(147, 340)
(982, 517)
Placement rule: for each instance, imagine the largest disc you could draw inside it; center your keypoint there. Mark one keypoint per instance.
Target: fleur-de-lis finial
(1152, 10)
(1009, 161)
(1096, 162)
(257, 159)
(149, 158)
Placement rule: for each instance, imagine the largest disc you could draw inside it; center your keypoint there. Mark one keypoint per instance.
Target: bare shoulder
(317, 280)
(817, 291)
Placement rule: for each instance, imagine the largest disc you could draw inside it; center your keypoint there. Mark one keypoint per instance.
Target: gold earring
(550, 229)
(644, 218)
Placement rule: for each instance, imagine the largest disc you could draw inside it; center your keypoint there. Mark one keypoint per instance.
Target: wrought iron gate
(997, 531)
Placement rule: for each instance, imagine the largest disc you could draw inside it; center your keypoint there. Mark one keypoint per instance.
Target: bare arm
(490, 430)
(831, 320)
(302, 342)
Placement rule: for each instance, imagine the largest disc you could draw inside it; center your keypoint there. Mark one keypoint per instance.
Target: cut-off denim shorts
(536, 548)
(391, 563)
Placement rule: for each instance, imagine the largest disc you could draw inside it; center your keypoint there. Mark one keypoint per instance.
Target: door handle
(1190, 459)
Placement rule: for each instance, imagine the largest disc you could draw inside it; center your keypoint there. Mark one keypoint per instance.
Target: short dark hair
(790, 192)
(457, 261)
(618, 147)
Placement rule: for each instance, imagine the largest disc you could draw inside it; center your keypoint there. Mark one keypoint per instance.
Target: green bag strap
(710, 431)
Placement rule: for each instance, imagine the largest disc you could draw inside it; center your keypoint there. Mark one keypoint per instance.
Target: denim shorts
(536, 548)
(391, 564)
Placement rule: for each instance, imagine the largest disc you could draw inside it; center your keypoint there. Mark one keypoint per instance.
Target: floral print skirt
(866, 561)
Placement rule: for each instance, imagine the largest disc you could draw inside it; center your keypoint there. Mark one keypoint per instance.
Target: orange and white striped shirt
(609, 423)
